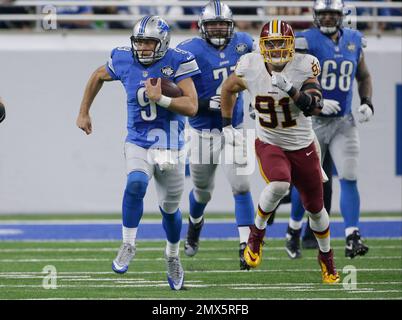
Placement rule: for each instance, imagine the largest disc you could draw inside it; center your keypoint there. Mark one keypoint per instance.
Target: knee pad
(137, 183)
(202, 195)
(275, 191)
(349, 170)
(241, 186)
(169, 207)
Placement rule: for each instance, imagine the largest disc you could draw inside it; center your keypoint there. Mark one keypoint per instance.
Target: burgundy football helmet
(277, 42)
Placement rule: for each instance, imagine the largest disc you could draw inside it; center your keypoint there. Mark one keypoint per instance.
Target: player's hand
(330, 107)
(278, 80)
(84, 123)
(365, 113)
(234, 140)
(154, 93)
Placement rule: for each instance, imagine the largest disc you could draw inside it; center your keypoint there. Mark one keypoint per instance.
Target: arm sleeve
(110, 66)
(188, 67)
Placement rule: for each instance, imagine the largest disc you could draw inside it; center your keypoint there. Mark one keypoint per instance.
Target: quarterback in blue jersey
(155, 140)
(217, 52)
(340, 52)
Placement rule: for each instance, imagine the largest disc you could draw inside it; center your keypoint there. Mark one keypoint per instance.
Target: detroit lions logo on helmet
(167, 71)
(162, 26)
(241, 48)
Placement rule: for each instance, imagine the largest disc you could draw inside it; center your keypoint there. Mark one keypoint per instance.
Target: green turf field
(84, 272)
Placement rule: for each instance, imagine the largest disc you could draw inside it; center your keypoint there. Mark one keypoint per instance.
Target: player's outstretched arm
(2, 110)
(92, 88)
(186, 105)
(231, 86)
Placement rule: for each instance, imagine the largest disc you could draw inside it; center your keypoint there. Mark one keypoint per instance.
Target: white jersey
(278, 120)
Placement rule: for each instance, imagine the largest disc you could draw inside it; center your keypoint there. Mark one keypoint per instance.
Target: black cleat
(293, 243)
(193, 237)
(354, 245)
(243, 264)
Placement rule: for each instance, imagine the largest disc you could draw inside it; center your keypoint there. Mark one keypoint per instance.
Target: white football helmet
(151, 28)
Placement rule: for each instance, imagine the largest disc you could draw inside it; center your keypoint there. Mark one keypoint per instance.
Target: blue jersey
(148, 124)
(216, 65)
(338, 63)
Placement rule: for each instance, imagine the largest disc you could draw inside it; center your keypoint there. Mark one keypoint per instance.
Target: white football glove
(278, 80)
(364, 113)
(330, 107)
(234, 145)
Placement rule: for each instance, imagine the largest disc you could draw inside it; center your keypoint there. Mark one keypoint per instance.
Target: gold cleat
(328, 269)
(253, 251)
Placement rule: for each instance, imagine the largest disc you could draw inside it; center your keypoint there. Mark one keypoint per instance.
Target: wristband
(164, 101)
(292, 91)
(367, 100)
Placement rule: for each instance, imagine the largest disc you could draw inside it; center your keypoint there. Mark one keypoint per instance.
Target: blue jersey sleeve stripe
(111, 71)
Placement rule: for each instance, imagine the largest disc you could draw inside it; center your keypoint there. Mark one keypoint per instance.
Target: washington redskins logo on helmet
(277, 42)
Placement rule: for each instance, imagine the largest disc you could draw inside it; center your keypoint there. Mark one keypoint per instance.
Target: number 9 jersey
(338, 62)
(278, 120)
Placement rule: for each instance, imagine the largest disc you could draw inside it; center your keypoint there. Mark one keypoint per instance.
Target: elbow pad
(308, 102)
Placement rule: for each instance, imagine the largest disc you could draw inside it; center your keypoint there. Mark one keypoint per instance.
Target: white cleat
(124, 256)
(175, 273)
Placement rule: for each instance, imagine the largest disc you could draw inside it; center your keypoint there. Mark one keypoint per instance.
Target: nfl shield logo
(144, 74)
(222, 55)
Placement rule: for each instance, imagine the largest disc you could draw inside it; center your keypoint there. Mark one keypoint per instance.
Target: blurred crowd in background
(6, 7)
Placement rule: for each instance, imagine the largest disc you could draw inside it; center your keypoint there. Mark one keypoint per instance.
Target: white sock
(319, 223)
(196, 220)
(261, 218)
(295, 225)
(172, 249)
(129, 235)
(244, 232)
(350, 230)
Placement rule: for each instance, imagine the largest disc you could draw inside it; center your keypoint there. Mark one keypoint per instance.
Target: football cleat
(328, 269)
(124, 256)
(354, 245)
(175, 273)
(293, 243)
(193, 237)
(253, 250)
(243, 264)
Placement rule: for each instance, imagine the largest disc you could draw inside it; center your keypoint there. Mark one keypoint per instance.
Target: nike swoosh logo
(308, 153)
(292, 255)
(251, 258)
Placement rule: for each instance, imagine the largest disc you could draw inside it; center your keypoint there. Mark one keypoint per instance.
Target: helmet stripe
(144, 23)
(217, 8)
(275, 26)
(279, 27)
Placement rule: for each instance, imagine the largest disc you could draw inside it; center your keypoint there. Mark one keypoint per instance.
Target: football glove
(278, 80)
(364, 113)
(234, 145)
(330, 107)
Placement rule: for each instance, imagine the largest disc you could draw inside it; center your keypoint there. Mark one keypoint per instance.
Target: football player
(340, 52)
(285, 92)
(154, 145)
(217, 52)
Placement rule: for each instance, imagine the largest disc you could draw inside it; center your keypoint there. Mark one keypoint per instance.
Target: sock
(319, 224)
(172, 249)
(133, 199)
(350, 230)
(244, 232)
(350, 203)
(295, 225)
(196, 208)
(297, 210)
(129, 235)
(172, 223)
(244, 209)
(261, 218)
